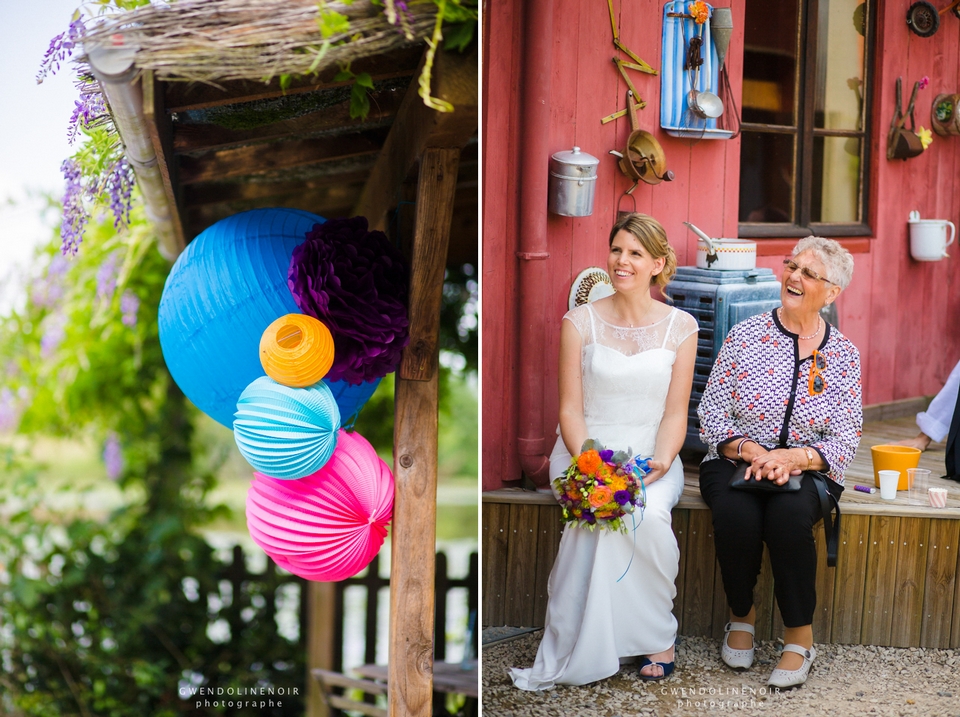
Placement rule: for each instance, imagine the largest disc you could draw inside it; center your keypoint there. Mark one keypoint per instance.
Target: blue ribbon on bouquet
(641, 468)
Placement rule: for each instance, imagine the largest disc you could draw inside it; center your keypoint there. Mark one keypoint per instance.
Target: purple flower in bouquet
(355, 282)
(589, 517)
(606, 455)
(622, 497)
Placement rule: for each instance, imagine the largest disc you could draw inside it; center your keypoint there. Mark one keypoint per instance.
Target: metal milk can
(573, 179)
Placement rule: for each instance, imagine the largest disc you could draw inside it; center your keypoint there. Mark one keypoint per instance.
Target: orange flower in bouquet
(589, 462)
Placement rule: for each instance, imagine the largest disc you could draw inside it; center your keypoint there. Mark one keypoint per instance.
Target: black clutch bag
(762, 486)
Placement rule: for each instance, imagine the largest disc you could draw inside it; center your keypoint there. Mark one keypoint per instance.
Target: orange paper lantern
(296, 350)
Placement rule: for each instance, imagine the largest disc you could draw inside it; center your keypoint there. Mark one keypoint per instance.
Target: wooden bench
(895, 582)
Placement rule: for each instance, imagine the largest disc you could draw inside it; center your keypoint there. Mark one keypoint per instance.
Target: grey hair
(837, 260)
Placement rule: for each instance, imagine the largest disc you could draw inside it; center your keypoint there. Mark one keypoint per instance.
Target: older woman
(783, 397)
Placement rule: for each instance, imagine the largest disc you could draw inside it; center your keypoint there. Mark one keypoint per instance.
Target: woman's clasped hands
(776, 465)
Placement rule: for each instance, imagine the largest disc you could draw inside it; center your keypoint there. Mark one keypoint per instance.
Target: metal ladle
(705, 105)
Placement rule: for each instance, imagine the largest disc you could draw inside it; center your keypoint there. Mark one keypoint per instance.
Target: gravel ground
(845, 680)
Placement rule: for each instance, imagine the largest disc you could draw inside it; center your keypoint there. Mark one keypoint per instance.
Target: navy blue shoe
(667, 670)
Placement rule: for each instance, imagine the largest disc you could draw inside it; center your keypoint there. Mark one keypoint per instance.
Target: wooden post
(321, 629)
(413, 536)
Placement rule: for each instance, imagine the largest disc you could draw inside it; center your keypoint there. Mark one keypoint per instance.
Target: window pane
(766, 177)
(770, 62)
(836, 180)
(840, 63)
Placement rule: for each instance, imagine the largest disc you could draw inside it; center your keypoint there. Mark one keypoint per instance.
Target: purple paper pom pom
(622, 497)
(355, 282)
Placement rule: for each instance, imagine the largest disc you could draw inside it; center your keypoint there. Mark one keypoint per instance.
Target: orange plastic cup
(894, 458)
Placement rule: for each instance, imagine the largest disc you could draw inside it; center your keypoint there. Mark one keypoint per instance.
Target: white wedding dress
(610, 594)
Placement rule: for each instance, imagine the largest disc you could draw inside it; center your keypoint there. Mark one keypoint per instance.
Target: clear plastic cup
(888, 484)
(919, 480)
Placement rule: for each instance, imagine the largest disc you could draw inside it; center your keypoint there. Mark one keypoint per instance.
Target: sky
(33, 132)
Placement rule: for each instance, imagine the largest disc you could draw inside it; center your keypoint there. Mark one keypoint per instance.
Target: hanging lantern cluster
(280, 325)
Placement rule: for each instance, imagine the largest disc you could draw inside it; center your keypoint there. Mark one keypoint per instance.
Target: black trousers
(743, 521)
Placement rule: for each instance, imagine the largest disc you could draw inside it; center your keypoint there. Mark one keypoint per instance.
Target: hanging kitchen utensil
(643, 159)
(923, 19)
(721, 29)
(903, 143)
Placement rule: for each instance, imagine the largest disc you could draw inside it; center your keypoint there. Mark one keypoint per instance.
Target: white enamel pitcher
(928, 237)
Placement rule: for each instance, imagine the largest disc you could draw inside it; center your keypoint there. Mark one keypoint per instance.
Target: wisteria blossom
(107, 276)
(113, 456)
(118, 185)
(75, 215)
(61, 47)
(54, 332)
(9, 410)
(47, 291)
(129, 305)
(88, 111)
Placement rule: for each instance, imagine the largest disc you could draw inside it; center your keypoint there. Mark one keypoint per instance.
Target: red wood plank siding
(901, 313)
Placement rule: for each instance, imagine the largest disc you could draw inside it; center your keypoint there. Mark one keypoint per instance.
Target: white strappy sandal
(792, 678)
(737, 659)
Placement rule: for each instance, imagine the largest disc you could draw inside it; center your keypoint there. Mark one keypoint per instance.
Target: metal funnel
(721, 28)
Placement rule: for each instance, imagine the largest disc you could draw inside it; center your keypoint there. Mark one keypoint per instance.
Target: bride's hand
(657, 470)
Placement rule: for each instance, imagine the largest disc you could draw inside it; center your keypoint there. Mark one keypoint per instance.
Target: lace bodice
(626, 374)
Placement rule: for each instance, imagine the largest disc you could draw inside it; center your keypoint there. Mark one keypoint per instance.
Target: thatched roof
(217, 40)
(241, 120)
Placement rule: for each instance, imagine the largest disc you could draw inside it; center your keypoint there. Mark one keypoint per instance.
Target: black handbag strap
(831, 526)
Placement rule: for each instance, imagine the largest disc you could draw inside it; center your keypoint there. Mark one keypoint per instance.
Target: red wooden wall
(902, 314)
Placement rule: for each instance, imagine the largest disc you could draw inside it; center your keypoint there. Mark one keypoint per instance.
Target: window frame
(806, 134)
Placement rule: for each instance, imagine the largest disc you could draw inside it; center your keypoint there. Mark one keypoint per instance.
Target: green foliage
(362, 84)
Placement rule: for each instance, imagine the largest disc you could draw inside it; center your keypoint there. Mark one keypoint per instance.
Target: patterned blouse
(759, 389)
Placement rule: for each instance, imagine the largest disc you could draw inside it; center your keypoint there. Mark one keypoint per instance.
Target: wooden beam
(413, 536)
(160, 129)
(435, 196)
(264, 158)
(196, 195)
(194, 137)
(320, 632)
(418, 127)
(184, 96)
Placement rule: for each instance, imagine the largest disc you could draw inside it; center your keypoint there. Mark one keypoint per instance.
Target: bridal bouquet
(601, 487)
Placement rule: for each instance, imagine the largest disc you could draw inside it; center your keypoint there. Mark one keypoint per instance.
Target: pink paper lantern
(329, 525)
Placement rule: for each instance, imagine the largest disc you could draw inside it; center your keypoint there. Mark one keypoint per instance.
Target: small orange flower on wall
(700, 12)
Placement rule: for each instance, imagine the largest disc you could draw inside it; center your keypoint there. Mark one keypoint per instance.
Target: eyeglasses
(792, 266)
(817, 383)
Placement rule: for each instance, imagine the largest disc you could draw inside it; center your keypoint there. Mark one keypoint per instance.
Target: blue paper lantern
(286, 432)
(350, 399)
(223, 291)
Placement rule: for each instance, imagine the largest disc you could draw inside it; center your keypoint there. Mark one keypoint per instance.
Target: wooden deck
(895, 581)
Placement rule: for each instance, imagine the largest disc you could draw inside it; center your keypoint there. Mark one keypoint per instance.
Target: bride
(626, 368)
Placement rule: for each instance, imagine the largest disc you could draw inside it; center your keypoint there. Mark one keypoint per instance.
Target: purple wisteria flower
(75, 215)
(107, 276)
(129, 305)
(9, 411)
(47, 291)
(355, 282)
(88, 111)
(54, 332)
(61, 47)
(119, 186)
(113, 456)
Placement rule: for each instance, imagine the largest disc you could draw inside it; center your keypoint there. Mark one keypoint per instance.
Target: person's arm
(573, 425)
(673, 425)
(718, 426)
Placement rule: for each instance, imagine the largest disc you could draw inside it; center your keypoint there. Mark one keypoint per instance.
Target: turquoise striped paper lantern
(285, 432)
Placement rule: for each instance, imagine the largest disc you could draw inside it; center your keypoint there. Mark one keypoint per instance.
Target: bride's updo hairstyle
(652, 237)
